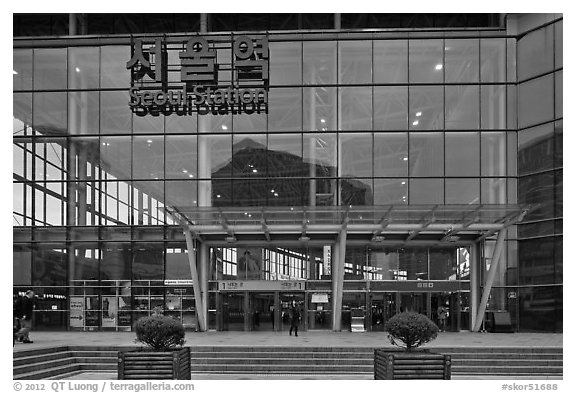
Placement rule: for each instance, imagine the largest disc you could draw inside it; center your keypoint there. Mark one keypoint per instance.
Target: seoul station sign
(198, 89)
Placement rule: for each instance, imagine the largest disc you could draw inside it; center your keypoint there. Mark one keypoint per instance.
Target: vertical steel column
(195, 281)
(335, 275)
(341, 257)
(203, 23)
(474, 282)
(337, 21)
(204, 274)
(72, 24)
(490, 279)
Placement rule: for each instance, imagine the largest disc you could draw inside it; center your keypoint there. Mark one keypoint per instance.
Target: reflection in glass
(382, 265)
(426, 63)
(83, 110)
(493, 190)
(181, 124)
(214, 156)
(493, 148)
(462, 191)
(50, 69)
(390, 107)
(249, 192)
(558, 100)
(319, 62)
(535, 149)
(413, 264)
(537, 189)
(390, 192)
(426, 154)
(115, 263)
(181, 157)
(390, 149)
(177, 265)
(181, 194)
(493, 111)
(115, 117)
(426, 191)
(391, 61)
(21, 265)
(493, 60)
(147, 124)
(354, 62)
(285, 155)
(252, 122)
(462, 103)
(536, 259)
(84, 262)
(355, 154)
(285, 109)
(215, 123)
(84, 162)
(355, 108)
(319, 108)
(50, 114)
(462, 154)
(147, 202)
(443, 264)
(426, 107)
(22, 114)
(356, 192)
(285, 63)
(148, 261)
(49, 264)
(148, 157)
(536, 52)
(22, 69)
(536, 101)
(462, 60)
(113, 62)
(116, 156)
(249, 156)
(83, 67)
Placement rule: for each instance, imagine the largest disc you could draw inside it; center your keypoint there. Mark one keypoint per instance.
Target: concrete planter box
(149, 364)
(390, 364)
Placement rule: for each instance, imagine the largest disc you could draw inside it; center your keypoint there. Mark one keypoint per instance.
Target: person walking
(295, 321)
(442, 315)
(24, 311)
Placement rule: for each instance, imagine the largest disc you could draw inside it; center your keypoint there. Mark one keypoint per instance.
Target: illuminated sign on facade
(155, 90)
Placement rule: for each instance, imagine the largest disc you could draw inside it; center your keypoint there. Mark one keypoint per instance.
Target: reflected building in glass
(390, 170)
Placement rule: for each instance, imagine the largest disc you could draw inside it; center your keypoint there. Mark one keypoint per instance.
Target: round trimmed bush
(410, 330)
(160, 332)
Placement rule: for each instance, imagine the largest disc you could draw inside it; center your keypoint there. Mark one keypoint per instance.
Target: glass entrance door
(261, 315)
(451, 304)
(418, 302)
(233, 311)
(286, 299)
(382, 308)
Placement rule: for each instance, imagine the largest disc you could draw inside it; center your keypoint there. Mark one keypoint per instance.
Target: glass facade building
(455, 118)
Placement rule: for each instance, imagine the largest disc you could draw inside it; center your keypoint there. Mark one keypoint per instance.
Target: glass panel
(413, 263)
(214, 156)
(493, 190)
(426, 191)
(84, 153)
(252, 122)
(493, 60)
(187, 124)
(285, 109)
(536, 101)
(147, 123)
(177, 265)
(558, 100)
(355, 108)
(558, 145)
(512, 149)
(558, 193)
(84, 262)
(462, 104)
(536, 259)
(319, 62)
(356, 192)
(181, 157)
(22, 114)
(113, 63)
(390, 192)
(536, 53)
(390, 61)
(50, 114)
(462, 191)
(493, 148)
(511, 60)
(355, 62)
(22, 69)
(319, 109)
(426, 107)
(115, 156)
(215, 123)
(220, 193)
(83, 67)
(390, 149)
(181, 194)
(537, 189)
(285, 63)
(251, 192)
(539, 310)
(511, 103)
(115, 116)
(493, 111)
(443, 264)
(320, 154)
(249, 156)
(462, 60)
(83, 110)
(50, 69)
(426, 61)
(115, 264)
(558, 42)
(148, 261)
(49, 265)
(390, 108)
(356, 155)
(21, 265)
(426, 154)
(462, 154)
(285, 155)
(535, 149)
(382, 264)
(148, 157)
(148, 197)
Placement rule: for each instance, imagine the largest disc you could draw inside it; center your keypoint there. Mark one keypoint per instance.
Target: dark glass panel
(536, 261)
(83, 67)
(462, 59)
(356, 154)
(355, 108)
(536, 101)
(541, 228)
(22, 69)
(50, 69)
(356, 192)
(426, 191)
(115, 115)
(249, 122)
(536, 52)
(462, 105)
(493, 60)
(558, 96)
(21, 265)
(177, 264)
(115, 263)
(116, 156)
(558, 193)
(83, 111)
(426, 107)
(382, 264)
(284, 156)
(537, 189)
(50, 114)
(493, 111)
(558, 259)
(84, 262)
(390, 149)
(538, 311)
(462, 154)
(148, 157)
(214, 156)
(319, 109)
(249, 156)
(493, 190)
(390, 192)
(443, 264)
(113, 63)
(220, 192)
(558, 44)
(426, 154)
(250, 192)
(390, 107)
(148, 261)
(354, 62)
(285, 63)
(391, 61)
(285, 110)
(413, 264)
(319, 62)
(181, 157)
(355, 263)
(49, 265)
(462, 191)
(22, 114)
(181, 194)
(535, 149)
(426, 61)
(285, 192)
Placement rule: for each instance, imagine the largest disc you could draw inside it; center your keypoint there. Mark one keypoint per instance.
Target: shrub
(160, 332)
(412, 329)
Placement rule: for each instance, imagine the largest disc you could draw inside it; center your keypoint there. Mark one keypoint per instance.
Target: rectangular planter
(411, 365)
(149, 364)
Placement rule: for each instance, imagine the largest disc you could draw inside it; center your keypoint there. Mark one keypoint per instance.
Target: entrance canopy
(388, 224)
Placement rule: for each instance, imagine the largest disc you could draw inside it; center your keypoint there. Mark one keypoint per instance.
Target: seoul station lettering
(246, 90)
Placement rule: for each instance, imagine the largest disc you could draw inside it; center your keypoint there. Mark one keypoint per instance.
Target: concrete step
(282, 369)
(37, 351)
(507, 362)
(510, 370)
(47, 372)
(39, 366)
(38, 358)
(283, 354)
(281, 361)
(491, 356)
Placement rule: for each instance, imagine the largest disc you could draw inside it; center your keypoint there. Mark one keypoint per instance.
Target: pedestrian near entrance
(442, 315)
(24, 310)
(295, 319)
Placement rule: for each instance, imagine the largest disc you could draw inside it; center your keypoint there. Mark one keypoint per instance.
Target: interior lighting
(255, 170)
(14, 72)
(190, 175)
(149, 141)
(275, 194)
(224, 127)
(438, 67)
(322, 121)
(418, 114)
(77, 69)
(403, 183)
(185, 170)
(272, 191)
(218, 196)
(405, 159)
(415, 122)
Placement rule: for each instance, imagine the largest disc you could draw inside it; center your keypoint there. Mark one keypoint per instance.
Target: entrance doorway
(451, 302)
(286, 300)
(417, 302)
(262, 311)
(233, 311)
(382, 308)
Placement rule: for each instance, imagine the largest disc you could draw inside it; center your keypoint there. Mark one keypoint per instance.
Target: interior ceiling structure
(385, 225)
